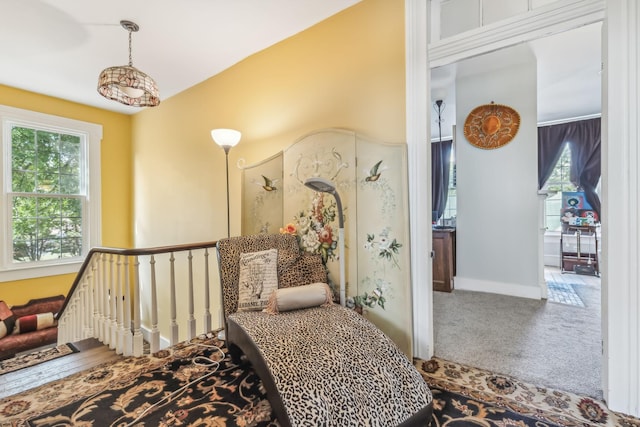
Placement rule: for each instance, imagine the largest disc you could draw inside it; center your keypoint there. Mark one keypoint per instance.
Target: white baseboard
(511, 289)
(552, 260)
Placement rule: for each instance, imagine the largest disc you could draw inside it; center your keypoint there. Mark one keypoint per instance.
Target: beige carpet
(546, 343)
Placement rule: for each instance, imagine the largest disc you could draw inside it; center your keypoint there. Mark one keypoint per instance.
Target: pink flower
(325, 235)
(288, 229)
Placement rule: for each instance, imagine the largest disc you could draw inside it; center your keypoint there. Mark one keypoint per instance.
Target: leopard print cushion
(332, 367)
(295, 268)
(300, 269)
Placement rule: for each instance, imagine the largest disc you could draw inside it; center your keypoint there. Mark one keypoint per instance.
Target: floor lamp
(322, 185)
(226, 138)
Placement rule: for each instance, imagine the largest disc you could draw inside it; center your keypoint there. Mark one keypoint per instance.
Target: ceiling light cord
(130, 60)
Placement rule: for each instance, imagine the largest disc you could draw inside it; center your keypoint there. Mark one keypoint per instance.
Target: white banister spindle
(137, 331)
(128, 336)
(96, 295)
(120, 306)
(107, 300)
(89, 331)
(83, 314)
(104, 301)
(192, 319)
(154, 340)
(113, 298)
(172, 290)
(207, 311)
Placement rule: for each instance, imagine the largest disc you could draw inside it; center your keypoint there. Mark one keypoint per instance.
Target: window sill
(39, 271)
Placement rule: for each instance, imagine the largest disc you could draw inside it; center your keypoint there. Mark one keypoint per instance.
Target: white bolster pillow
(297, 297)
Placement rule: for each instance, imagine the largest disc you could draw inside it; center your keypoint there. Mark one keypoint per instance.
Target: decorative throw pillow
(7, 319)
(258, 279)
(34, 322)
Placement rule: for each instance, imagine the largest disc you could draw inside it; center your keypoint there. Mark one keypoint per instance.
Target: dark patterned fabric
(183, 387)
(112, 393)
(456, 410)
(332, 367)
(486, 398)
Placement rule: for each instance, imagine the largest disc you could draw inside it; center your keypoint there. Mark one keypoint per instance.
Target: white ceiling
(569, 76)
(59, 47)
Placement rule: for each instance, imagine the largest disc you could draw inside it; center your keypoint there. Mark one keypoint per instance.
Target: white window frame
(92, 207)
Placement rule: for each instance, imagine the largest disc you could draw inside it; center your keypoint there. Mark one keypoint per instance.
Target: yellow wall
(345, 72)
(163, 175)
(116, 183)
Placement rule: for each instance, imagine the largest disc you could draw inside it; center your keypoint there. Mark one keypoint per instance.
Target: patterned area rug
(482, 395)
(175, 387)
(181, 387)
(563, 293)
(31, 359)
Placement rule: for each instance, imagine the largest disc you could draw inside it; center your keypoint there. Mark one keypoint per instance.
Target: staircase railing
(114, 286)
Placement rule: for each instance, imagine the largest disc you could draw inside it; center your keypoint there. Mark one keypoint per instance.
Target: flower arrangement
(313, 230)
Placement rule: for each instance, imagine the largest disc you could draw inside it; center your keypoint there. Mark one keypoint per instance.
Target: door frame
(620, 176)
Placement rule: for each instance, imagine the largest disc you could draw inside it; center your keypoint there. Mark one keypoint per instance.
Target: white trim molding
(419, 170)
(510, 289)
(92, 199)
(621, 207)
(546, 20)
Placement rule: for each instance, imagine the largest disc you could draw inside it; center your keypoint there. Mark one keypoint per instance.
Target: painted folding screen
(371, 180)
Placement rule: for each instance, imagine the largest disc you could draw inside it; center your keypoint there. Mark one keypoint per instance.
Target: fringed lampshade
(126, 84)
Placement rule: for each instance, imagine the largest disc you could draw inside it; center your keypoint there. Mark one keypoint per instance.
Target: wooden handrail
(129, 252)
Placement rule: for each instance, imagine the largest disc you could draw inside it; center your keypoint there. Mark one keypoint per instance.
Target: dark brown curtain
(440, 163)
(584, 139)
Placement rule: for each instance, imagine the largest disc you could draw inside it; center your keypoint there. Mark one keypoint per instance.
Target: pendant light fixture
(125, 83)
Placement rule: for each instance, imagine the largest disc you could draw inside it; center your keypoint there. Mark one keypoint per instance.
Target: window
(558, 182)
(50, 175)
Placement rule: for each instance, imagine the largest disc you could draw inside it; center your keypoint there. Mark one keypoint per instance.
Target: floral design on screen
(384, 249)
(313, 228)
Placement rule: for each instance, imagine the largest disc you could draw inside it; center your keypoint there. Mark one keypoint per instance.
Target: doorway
(434, 81)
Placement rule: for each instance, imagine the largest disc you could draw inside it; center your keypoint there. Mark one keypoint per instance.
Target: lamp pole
(226, 158)
(323, 185)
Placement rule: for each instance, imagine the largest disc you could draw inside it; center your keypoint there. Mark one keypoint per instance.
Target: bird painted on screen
(269, 184)
(374, 173)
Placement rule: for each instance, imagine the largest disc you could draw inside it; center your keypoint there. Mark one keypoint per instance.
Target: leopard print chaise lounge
(321, 366)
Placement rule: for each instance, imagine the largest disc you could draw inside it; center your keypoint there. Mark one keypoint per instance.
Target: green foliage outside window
(46, 194)
(559, 181)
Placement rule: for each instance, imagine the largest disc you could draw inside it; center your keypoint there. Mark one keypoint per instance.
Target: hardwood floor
(92, 353)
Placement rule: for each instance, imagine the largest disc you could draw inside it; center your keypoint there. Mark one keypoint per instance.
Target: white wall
(497, 228)
(458, 16)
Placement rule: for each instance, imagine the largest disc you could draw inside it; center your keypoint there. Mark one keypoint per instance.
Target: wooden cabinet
(444, 261)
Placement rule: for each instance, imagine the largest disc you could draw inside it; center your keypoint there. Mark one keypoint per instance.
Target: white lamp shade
(226, 137)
